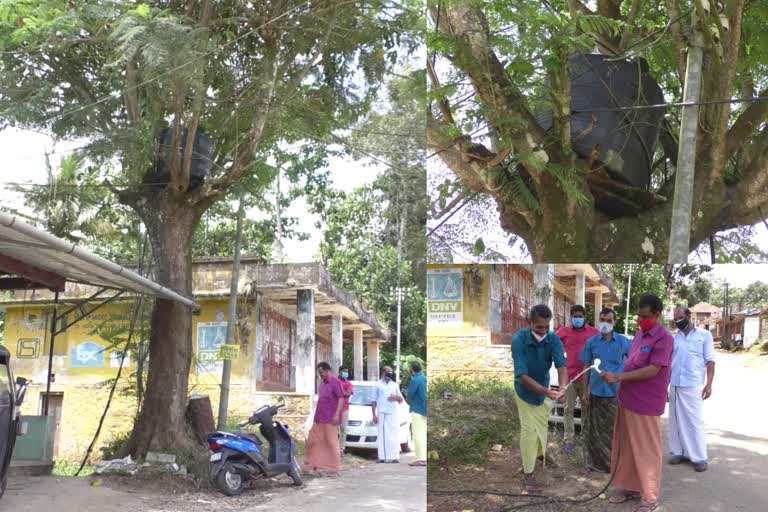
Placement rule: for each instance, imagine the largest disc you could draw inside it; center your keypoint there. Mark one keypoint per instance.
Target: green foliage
(63, 467)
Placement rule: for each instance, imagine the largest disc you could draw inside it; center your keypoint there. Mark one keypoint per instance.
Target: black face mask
(391, 376)
(682, 324)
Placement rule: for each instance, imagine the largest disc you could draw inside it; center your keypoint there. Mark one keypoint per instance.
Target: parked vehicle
(361, 431)
(240, 457)
(11, 396)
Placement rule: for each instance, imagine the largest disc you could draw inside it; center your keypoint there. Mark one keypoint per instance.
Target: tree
(255, 77)
(756, 294)
(646, 278)
(502, 62)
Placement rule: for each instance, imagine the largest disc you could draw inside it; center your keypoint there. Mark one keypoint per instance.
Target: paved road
(380, 487)
(736, 418)
(361, 486)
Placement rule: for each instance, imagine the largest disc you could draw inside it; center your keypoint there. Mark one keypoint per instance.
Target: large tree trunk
(161, 425)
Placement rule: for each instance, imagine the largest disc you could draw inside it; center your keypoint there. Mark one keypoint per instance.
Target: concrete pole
(400, 293)
(337, 343)
(305, 342)
(685, 169)
(226, 372)
(373, 360)
(357, 348)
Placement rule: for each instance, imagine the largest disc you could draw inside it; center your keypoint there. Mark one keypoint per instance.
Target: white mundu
(388, 424)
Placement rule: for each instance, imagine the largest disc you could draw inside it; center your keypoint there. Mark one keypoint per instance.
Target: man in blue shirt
(534, 349)
(599, 398)
(693, 355)
(417, 399)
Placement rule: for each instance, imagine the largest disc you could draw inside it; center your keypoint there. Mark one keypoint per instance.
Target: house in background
(744, 328)
(289, 317)
(705, 314)
(473, 311)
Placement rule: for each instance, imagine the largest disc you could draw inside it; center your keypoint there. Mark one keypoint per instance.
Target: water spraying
(595, 365)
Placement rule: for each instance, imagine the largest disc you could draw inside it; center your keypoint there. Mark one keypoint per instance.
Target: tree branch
(678, 41)
(629, 30)
(746, 124)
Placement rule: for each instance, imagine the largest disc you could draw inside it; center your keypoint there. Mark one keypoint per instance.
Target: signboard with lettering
(210, 337)
(445, 297)
(87, 355)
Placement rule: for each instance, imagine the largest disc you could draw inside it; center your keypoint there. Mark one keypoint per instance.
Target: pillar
(357, 347)
(305, 342)
(544, 285)
(373, 360)
(337, 343)
(580, 296)
(598, 305)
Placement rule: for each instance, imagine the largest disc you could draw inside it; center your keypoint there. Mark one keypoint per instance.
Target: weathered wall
(84, 363)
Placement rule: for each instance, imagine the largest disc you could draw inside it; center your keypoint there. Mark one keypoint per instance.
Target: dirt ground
(737, 481)
(386, 487)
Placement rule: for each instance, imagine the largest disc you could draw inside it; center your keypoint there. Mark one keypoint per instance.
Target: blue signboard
(87, 355)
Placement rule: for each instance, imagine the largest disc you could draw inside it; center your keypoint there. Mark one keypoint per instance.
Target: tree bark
(161, 425)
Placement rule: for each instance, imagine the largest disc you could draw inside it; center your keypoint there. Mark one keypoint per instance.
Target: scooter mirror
(21, 381)
(243, 423)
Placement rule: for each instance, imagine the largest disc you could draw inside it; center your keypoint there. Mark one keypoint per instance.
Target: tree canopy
(499, 64)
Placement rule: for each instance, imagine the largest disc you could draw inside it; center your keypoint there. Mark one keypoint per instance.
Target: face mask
(605, 327)
(391, 376)
(577, 322)
(646, 324)
(538, 337)
(682, 324)
(345, 375)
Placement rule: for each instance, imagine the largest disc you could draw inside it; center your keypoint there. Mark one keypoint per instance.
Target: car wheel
(229, 481)
(407, 447)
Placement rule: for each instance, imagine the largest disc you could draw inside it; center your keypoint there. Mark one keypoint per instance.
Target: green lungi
(534, 424)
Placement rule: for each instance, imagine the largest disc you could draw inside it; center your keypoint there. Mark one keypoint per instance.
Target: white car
(361, 431)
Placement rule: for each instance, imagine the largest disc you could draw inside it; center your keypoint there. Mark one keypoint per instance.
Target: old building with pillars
(289, 318)
(473, 310)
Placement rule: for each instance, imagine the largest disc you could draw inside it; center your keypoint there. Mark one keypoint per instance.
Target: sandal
(623, 496)
(418, 463)
(531, 486)
(646, 507)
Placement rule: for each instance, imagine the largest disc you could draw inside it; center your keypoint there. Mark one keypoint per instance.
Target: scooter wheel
(295, 473)
(229, 481)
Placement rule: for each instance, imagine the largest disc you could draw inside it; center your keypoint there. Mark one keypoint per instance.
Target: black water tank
(202, 157)
(627, 139)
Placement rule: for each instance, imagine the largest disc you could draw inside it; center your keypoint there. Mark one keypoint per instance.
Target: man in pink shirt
(574, 337)
(642, 399)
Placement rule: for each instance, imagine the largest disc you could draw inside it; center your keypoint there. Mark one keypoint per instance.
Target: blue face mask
(344, 375)
(578, 322)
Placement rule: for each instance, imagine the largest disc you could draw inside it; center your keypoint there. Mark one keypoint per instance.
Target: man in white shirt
(386, 398)
(693, 356)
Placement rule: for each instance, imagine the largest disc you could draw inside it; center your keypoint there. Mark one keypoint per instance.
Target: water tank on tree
(626, 139)
(202, 157)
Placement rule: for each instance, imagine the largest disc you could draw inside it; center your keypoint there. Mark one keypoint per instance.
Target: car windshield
(363, 395)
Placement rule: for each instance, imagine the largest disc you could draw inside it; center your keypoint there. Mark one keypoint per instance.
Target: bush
(117, 448)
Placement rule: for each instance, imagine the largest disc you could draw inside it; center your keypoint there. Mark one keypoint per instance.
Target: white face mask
(538, 337)
(605, 327)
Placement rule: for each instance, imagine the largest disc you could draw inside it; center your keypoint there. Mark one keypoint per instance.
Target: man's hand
(585, 399)
(609, 377)
(375, 419)
(554, 395)
(393, 398)
(706, 392)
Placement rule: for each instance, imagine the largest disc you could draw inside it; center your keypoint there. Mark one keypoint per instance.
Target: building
(473, 310)
(289, 317)
(705, 314)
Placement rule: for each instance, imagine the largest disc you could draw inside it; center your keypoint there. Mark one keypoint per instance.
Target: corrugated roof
(33, 246)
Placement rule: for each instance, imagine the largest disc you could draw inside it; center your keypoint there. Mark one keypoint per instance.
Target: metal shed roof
(39, 249)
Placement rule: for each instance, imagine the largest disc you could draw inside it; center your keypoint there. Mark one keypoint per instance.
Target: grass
(66, 468)
(479, 414)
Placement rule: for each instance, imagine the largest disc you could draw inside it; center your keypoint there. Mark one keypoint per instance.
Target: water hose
(543, 498)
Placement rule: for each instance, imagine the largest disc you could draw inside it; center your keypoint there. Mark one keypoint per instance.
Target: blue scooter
(238, 458)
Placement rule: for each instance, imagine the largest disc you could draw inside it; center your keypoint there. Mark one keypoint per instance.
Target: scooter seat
(253, 437)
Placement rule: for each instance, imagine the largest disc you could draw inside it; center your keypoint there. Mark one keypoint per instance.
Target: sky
(24, 161)
(740, 276)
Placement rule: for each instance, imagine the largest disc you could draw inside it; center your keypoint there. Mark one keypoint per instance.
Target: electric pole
(685, 169)
(399, 294)
(629, 291)
(226, 372)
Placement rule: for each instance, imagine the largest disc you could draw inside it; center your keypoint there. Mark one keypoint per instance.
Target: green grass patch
(479, 414)
(66, 468)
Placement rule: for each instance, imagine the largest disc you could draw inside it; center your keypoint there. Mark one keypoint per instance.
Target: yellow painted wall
(465, 350)
(86, 389)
